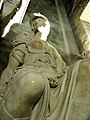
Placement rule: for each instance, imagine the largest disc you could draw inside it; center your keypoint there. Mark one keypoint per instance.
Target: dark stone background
(74, 10)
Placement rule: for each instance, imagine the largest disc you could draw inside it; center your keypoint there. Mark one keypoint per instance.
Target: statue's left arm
(15, 59)
(60, 64)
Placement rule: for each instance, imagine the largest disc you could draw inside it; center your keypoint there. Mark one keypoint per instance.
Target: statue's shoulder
(21, 39)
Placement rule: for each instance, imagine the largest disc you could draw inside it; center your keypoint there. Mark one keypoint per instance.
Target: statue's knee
(33, 83)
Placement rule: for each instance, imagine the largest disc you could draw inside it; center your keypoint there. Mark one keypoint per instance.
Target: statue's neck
(40, 36)
(37, 36)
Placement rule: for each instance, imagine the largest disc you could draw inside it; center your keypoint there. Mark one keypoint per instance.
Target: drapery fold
(59, 98)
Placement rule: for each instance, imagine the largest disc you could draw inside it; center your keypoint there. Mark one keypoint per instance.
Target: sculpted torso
(37, 84)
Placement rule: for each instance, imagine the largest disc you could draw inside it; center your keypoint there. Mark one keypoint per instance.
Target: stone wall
(71, 5)
(74, 11)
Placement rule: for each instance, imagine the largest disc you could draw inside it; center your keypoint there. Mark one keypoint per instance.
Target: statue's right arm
(16, 57)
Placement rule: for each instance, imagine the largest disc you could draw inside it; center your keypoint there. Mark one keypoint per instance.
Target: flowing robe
(57, 101)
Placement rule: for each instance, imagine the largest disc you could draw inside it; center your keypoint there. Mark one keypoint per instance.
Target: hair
(35, 16)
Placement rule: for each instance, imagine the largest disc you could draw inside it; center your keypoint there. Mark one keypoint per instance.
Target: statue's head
(40, 24)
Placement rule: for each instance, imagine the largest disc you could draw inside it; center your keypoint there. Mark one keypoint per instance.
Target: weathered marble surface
(37, 84)
(16, 31)
(55, 38)
(48, 8)
(66, 91)
(9, 8)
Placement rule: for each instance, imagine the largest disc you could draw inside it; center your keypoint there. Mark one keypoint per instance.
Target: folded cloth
(5, 115)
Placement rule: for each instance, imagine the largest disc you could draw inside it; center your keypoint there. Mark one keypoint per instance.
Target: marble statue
(37, 84)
